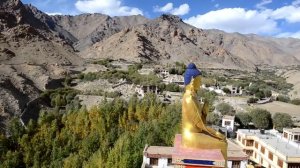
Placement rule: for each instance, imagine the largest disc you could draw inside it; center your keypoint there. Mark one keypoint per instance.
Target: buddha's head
(192, 77)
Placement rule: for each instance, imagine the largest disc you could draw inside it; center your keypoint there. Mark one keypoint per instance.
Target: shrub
(283, 98)
(252, 100)
(295, 101)
(226, 90)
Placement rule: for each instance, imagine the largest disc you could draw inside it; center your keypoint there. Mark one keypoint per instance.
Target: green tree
(261, 118)
(267, 93)
(260, 94)
(213, 119)
(282, 120)
(244, 118)
(226, 90)
(225, 109)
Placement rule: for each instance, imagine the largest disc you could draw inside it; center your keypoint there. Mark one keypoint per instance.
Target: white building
(146, 71)
(292, 134)
(178, 79)
(157, 157)
(161, 156)
(269, 149)
(228, 122)
(235, 90)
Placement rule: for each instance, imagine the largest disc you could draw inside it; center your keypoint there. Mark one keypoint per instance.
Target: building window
(270, 155)
(243, 141)
(296, 137)
(236, 164)
(256, 145)
(169, 161)
(239, 138)
(280, 162)
(249, 152)
(285, 135)
(255, 155)
(249, 143)
(293, 165)
(262, 149)
(154, 161)
(227, 123)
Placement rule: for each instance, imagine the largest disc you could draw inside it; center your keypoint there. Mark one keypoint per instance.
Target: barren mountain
(169, 39)
(29, 49)
(92, 28)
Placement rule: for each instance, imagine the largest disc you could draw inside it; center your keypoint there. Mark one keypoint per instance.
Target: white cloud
(261, 5)
(53, 13)
(289, 13)
(168, 8)
(109, 7)
(236, 20)
(289, 34)
(181, 10)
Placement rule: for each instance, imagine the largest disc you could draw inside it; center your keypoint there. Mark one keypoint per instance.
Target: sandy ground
(238, 103)
(281, 107)
(293, 77)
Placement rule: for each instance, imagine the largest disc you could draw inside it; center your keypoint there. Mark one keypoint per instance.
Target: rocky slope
(31, 54)
(91, 28)
(168, 39)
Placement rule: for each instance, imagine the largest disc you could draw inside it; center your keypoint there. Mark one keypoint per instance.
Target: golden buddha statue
(195, 133)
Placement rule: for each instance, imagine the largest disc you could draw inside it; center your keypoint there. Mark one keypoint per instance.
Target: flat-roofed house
(292, 134)
(269, 149)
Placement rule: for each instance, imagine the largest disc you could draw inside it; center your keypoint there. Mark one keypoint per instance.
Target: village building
(141, 90)
(161, 156)
(216, 89)
(228, 122)
(235, 91)
(269, 148)
(146, 71)
(163, 73)
(176, 79)
(292, 134)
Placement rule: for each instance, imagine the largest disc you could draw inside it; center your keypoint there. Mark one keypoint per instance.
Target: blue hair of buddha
(190, 73)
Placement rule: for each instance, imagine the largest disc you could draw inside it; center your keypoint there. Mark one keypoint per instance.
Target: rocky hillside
(168, 39)
(91, 28)
(31, 54)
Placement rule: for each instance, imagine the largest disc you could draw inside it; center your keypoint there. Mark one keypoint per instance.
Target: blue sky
(279, 18)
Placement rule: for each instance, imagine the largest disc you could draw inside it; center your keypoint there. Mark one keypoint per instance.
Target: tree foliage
(282, 120)
(225, 109)
(213, 119)
(261, 118)
(244, 118)
(112, 134)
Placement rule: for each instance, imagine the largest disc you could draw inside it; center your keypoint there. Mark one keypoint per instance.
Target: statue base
(183, 157)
